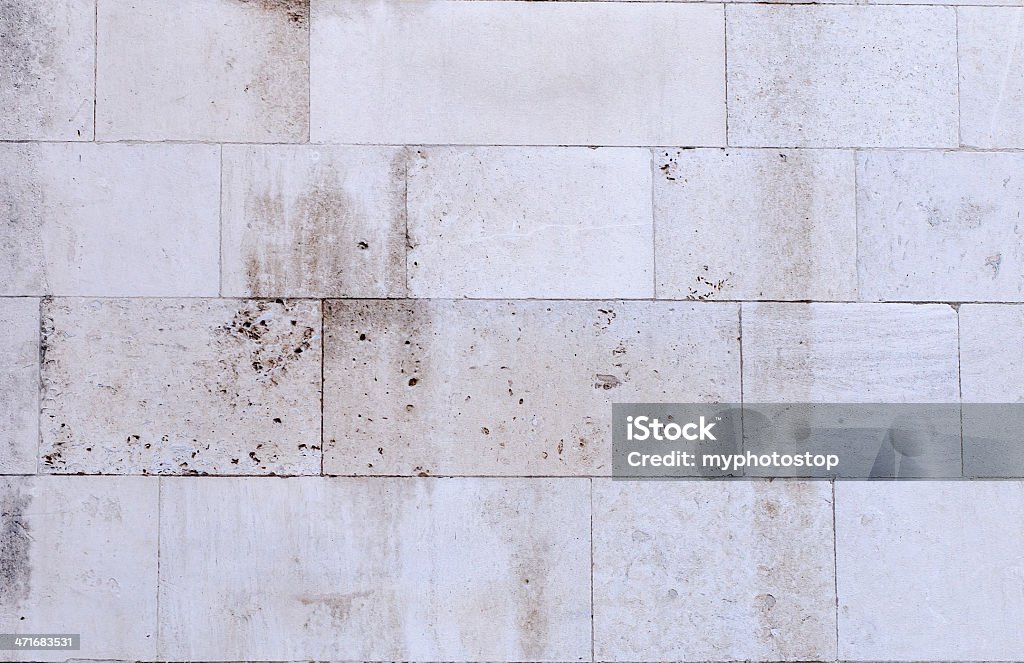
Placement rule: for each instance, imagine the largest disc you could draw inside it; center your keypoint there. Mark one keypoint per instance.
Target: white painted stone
(520, 73)
(992, 353)
(930, 571)
(849, 353)
(46, 69)
(509, 388)
(180, 386)
(712, 571)
(313, 221)
(842, 76)
(530, 222)
(79, 555)
(755, 224)
(941, 226)
(991, 85)
(375, 569)
(19, 385)
(109, 220)
(215, 70)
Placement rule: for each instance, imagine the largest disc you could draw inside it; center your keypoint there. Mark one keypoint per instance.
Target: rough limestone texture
(842, 76)
(695, 571)
(755, 224)
(941, 226)
(375, 569)
(19, 385)
(992, 353)
(109, 220)
(313, 221)
(991, 87)
(509, 388)
(47, 48)
(849, 353)
(180, 386)
(79, 555)
(519, 73)
(929, 571)
(210, 70)
(530, 222)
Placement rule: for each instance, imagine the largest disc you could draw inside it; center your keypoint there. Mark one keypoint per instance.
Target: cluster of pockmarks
(54, 458)
(296, 11)
(15, 544)
(269, 335)
(706, 287)
(669, 166)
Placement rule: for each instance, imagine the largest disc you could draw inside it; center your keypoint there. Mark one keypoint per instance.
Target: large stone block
(699, 571)
(109, 220)
(937, 226)
(78, 555)
(375, 569)
(212, 70)
(849, 353)
(47, 52)
(313, 221)
(519, 73)
(755, 224)
(509, 388)
(530, 222)
(842, 76)
(181, 386)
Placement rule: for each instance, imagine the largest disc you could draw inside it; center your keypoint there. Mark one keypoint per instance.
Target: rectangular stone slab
(78, 555)
(509, 387)
(375, 569)
(181, 386)
(517, 73)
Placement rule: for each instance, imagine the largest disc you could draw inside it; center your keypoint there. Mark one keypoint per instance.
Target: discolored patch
(15, 544)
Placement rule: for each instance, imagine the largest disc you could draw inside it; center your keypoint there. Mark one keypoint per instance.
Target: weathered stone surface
(856, 353)
(941, 226)
(929, 571)
(216, 70)
(181, 386)
(46, 69)
(842, 76)
(19, 385)
(992, 353)
(509, 388)
(375, 569)
(696, 571)
(313, 221)
(755, 224)
(530, 222)
(79, 555)
(991, 87)
(518, 73)
(109, 220)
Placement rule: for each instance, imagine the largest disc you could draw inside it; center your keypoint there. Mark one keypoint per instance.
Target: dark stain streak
(15, 541)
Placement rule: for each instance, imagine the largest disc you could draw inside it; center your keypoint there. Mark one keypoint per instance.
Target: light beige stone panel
(713, 571)
(755, 224)
(313, 221)
(509, 388)
(375, 569)
(181, 386)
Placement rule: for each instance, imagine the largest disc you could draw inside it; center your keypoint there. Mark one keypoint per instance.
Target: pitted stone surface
(509, 388)
(180, 386)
